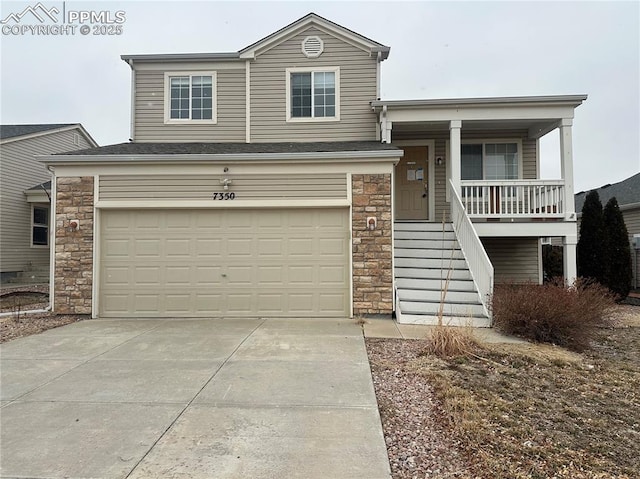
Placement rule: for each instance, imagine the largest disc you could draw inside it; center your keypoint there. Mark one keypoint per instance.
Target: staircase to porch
(425, 255)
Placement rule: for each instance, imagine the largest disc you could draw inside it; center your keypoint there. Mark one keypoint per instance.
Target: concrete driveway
(225, 398)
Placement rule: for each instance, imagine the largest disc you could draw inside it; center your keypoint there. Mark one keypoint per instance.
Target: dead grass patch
(535, 411)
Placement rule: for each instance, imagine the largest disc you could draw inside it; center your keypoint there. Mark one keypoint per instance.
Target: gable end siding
(357, 89)
(149, 110)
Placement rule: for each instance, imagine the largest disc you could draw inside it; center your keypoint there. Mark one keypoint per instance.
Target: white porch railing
(514, 198)
(479, 264)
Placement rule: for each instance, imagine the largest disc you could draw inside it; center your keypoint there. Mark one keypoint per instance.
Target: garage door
(209, 263)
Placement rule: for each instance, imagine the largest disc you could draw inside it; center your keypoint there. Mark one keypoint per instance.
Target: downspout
(133, 101)
(378, 66)
(52, 239)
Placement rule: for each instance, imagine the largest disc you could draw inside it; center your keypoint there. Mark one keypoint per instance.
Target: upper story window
(489, 161)
(39, 226)
(313, 94)
(190, 97)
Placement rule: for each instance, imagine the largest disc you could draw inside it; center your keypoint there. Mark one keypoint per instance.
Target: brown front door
(411, 195)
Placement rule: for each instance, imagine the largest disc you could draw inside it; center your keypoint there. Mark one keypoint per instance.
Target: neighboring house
(25, 190)
(627, 193)
(273, 181)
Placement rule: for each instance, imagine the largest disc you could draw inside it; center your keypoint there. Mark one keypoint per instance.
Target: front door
(411, 193)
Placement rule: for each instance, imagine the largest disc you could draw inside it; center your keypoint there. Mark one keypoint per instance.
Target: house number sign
(224, 196)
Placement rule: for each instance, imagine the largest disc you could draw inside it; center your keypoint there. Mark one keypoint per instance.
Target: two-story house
(273, 181)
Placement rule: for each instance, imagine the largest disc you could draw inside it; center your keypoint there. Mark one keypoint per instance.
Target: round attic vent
(312, 47)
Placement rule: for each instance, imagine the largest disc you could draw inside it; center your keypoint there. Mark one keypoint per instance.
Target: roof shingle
(232, 148)
(626, 192)
(11, 131)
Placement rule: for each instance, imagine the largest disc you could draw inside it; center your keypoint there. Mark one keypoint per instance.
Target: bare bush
(553, 313)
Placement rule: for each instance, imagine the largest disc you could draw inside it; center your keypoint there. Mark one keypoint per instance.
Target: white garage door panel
(222, 262)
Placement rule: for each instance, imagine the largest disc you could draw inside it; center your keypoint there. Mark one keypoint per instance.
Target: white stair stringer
(425, 256)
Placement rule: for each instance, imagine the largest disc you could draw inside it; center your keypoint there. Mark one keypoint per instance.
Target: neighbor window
(39, 226)
(313, 94)
(489, 161)
(190, 97)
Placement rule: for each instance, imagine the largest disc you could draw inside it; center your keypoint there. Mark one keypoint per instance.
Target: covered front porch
(475, 164)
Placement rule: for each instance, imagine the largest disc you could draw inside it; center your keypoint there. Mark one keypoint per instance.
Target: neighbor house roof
(42, 186)
(11, 131)
(627, 192)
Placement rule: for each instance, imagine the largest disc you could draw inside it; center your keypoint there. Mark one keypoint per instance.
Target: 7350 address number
(224, 196)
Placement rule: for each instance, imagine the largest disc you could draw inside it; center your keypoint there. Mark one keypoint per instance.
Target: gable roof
(11, 131)
(627, 192)
(317, 20)
(268, 41)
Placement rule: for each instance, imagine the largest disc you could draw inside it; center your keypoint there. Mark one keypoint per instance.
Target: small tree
(592, 247)
(618, 278)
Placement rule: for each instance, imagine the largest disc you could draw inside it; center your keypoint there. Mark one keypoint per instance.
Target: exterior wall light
(225, 182)
(439, 161)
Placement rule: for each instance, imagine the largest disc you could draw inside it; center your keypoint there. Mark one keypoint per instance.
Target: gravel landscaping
(15, 301)
(513, 411)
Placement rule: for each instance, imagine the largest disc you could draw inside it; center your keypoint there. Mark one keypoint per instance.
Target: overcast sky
(438, 50)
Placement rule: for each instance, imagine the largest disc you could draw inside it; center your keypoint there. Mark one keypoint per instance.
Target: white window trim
(188, 121)
(32, 225)
(312, 119)
(483, 141)
(517, 141)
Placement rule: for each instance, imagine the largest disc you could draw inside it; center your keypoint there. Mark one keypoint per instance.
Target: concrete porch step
(446, 320)
(450, 309)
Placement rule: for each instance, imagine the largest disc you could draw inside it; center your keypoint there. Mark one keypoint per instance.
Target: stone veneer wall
(372, 250)
(74, 248)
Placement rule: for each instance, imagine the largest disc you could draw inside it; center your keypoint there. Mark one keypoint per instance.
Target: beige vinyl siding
(20, 171)
(149, 110)
(357, 89)
(529, 166)
(202, 187)
(632, 221)
(513, 259)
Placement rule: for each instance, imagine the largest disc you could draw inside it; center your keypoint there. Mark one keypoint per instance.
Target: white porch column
(566, 162)
(454, 132)
(569, 258)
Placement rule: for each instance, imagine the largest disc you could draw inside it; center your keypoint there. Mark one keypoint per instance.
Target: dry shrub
(446, 341)
(553, 312)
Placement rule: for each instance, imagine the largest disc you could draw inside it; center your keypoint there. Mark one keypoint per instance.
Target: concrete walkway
(191, 399)
(387, 328)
